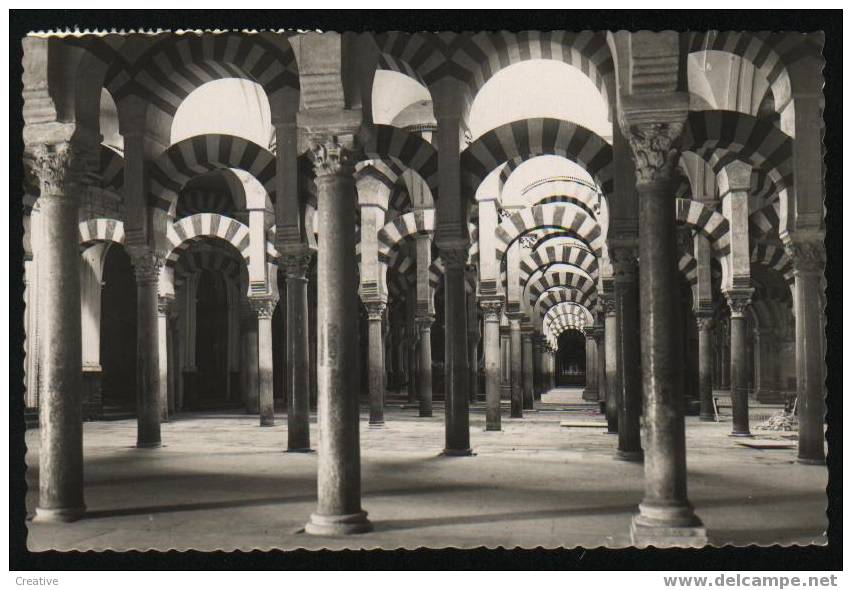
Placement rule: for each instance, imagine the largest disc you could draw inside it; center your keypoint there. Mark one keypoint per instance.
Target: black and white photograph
(399, 289)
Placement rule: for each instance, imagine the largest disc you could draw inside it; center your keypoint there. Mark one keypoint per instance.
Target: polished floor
(223, 482)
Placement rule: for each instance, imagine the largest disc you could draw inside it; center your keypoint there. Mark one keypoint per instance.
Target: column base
(707, 418)
(645, 533)
(338, 524)
(57, 515)
(376, 424)
(631, 456)
(267, 422)
(810, 461)
(741, 435)
(149, 445)
(457, 452)
(423, 414)
(493, 428)
(590, 396)
(300, 450)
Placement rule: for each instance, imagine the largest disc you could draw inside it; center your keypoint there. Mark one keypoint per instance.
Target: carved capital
(58, 168)
(454, 258)
(164, 304)
(589, 332)
(738, 301)
(333, 155)
(296, 265)
(146, 266)
(424, 322)
(375, 310)
(607, 301)
(655, 150)
(491, 308)
(264, 307)
(625, 264)
(807, 256)
(704, 323)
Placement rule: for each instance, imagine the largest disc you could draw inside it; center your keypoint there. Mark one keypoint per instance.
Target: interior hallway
(222, 482)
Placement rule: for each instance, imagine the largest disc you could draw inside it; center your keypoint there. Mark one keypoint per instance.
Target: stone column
(424, 366)
(739, 301)
(610, 360)
(455, 346)
(146, 266)
(705, 366)
(515, 355)
(339, 461)
(298, 352)
(163, 306)
(264, 308)
(665, 515)
(473, 348)
(628, 362)
(808, 258)
(552, 369)
(590, 393)
(600, 362)
(250, 359)
(375, 363)
(528, 368)
(60, 470)
(538, 366)
(491, 347)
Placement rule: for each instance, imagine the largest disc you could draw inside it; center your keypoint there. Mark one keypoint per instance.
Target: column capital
(296, 264)
(625, 262)
(655, 149)
(58, 168)
(491, 308)
(704, 322)
(146, 264)
(424, 322)
(454, 257)
(588, 332)
(607, 301)
(807, 253)
(164, 304)
(264, 307)
(333, 155)
(739, 301)
(375, 310)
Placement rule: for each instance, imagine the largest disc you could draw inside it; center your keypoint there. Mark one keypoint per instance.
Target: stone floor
(222, 482)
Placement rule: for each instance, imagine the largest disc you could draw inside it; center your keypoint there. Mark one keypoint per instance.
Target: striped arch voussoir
(204, 153)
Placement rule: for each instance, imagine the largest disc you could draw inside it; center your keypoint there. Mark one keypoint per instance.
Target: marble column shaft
(739, 366)
(491, 347)
(339, 460)
(250, 365)
(528, 368)
(611, 367)
(264, 308)
(424, 366)
(515, 355)
(457, 420)
(809, 263)
(146, 266)
(705, 367)
(375, 363)
(628, 348)
(298, 353)
(665, 512)
(163, 306)
(60, 470)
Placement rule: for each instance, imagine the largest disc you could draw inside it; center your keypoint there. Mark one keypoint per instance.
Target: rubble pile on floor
(782, 421)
